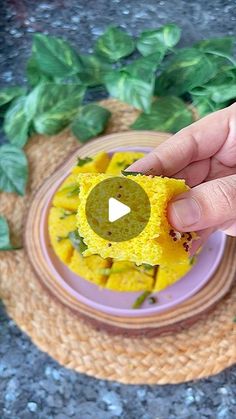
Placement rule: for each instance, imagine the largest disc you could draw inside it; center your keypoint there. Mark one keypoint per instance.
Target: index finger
(198, 141)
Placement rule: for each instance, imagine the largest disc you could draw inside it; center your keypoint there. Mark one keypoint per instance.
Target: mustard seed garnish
(152, 300)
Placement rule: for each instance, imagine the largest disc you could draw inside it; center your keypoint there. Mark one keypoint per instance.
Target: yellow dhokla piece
(124, 277)
(146, 269)
(67, 195)
(90, 267)
(121, 160)
(59, 228)
(154, 245)
(95, 164)
(168, 275)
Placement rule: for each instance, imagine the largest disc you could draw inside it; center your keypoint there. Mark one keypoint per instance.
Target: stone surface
(32, 385)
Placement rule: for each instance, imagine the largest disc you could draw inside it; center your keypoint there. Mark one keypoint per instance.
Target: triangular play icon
(116, 210)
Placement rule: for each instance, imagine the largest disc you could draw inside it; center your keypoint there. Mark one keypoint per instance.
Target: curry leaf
(188, 69)
(91, 121)
(16, 123)
(10, 93)
(115, 44)
(222, 47)
(13, 169)
(5, 242)
(93, 71)
(52, 106)
(54, 56)
(159, 40)
(167, 114)
(135, 91)
(77, 241)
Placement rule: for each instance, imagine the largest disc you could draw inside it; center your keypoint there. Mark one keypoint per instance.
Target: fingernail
(145, 164)
(185, 212)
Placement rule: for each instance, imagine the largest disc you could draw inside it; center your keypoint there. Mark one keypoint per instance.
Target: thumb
(207, 205)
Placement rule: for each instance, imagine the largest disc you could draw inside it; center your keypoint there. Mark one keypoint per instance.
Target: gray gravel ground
(32, 385)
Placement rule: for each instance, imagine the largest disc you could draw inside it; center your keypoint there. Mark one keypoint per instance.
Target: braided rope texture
(204, 349)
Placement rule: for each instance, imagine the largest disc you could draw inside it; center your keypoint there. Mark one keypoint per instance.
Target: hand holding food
(204, 154)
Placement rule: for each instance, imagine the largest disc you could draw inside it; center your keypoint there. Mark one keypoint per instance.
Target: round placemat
(204, 349)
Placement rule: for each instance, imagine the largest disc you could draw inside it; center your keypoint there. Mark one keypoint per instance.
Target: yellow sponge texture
(121, 160)
(155, 244)
(59, 228)
(67, 195)
(90, 268)
(124, 277)
(168, 275)
(96, 164)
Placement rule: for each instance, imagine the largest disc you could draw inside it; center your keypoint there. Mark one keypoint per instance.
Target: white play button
(116, 210)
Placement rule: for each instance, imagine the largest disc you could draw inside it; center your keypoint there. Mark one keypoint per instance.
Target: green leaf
(115, 44)
(144, 67)
(159, 40)
(54, 56)
(167, 114)
(16, 124)
(137, 92)
(205, 105)
(35, 74)
(52, 106)
(13, 169)
(10, 93)
(91, 121)
(77, 241)
(5, 242)
(219, 89)
(82, 161)
(222, 47)
(188, 69)
(93, 71)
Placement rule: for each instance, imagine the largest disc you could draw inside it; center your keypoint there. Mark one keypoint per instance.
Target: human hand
(204, 154)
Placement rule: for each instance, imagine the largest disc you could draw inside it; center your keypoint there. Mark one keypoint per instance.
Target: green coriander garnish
(67, 213)
(140, 300)
(77, 241)
(71, 190)
(60, 238)
(192, 260)
(82, 161)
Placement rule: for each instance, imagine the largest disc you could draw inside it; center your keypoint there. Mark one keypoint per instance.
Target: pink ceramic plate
(120, 303)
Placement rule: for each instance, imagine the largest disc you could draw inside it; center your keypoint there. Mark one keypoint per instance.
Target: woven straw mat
(202, 350)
